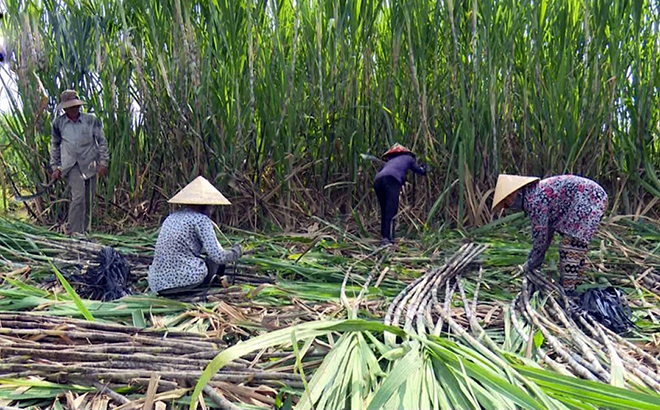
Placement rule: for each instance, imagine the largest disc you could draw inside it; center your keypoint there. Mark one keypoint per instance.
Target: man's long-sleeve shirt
(570, 205)
(78, 142)
(182, 239)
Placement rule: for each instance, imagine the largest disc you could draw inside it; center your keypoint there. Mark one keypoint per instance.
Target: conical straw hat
(508, 184)
(397, 149)
(199, 192)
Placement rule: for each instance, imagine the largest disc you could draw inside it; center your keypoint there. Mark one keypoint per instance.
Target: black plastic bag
(107, 281)
(609, 307)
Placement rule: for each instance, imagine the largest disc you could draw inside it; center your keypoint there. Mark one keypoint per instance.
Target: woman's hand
(236, 250)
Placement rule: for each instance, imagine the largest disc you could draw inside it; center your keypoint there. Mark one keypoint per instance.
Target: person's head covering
(199, 192)
(69, 98)
(395, 150)
(508, 184)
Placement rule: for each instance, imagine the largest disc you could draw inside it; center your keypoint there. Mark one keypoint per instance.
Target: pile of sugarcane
(468, 299)
(555, 329)
(108, 356)
(22, 244)
(575, 343)
(422, 300)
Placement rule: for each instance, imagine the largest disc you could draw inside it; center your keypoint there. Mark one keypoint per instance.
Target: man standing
(78, 152)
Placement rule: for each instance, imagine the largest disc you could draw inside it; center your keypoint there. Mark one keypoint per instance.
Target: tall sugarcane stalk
(250, 94)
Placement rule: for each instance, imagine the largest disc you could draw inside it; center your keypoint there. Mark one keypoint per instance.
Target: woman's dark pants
(214, 270)
(387, 190)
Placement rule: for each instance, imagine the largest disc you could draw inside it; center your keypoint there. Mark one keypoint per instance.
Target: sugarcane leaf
(538, 339)
(617, 371)
(339, 391)
(73, 295)
(369, 357)
(596, 393)
(452, 386)
(279, 337)
(415, 395)
(32, 290)
(395, 353)
(410, 363)
(487, 377)
(138, 318)
(327, 373)
(358, 385)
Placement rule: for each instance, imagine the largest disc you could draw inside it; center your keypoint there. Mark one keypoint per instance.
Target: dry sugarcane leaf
(230, 311)
(168, 395)
(19, 271)
(76, 403)
(22, 389)
(382, 276)
(241, 392)
(151, 392)
(159, 405)
(489, 315)
(100, 403)
(8, 340)
(157, 322)
(267, 390)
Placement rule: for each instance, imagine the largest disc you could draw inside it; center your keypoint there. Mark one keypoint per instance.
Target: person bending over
(388, 183)
(570, 205)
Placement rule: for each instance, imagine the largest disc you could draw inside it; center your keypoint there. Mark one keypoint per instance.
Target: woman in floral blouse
(567, 204)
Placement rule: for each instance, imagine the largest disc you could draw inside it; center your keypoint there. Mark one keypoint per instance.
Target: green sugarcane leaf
(73, 295)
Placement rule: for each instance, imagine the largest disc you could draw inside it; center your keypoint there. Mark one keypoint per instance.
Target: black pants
(387, 190)
(214, 270)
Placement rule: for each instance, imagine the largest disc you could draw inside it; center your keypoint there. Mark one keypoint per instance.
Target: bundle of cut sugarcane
(557, 332)
(422, 300)
(575, 343)
(58, 349)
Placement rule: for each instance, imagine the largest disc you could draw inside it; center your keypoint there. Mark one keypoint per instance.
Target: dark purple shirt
(398, 166)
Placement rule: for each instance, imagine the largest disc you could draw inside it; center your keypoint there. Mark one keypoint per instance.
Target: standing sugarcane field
(329, 204)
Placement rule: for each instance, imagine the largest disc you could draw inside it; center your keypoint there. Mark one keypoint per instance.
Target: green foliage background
(274, 101)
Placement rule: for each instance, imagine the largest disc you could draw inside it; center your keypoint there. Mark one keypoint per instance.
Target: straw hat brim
(397, 149)
(199, 192)
(508, 184)
(71, 103)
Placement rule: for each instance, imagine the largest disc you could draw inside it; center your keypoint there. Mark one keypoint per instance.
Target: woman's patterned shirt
(570, 205)
(178, 260)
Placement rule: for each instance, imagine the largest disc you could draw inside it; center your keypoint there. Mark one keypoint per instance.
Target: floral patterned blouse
(570, 205)
(177, 258)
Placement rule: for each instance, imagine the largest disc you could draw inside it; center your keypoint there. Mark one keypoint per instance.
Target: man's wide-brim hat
(69, 98)
(199, 192)
(397, 149)
(508, 184)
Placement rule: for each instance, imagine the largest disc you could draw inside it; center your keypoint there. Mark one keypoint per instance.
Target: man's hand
(102, 170)
(55, 175)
